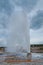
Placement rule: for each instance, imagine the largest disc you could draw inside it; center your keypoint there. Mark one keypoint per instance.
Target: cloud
(37, 20)
(26, 4)
(3, 20)
(5, 10)
(36, 36)
(3, 42)
(6, 6)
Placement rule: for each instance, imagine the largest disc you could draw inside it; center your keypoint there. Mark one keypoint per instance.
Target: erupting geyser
(18, 39)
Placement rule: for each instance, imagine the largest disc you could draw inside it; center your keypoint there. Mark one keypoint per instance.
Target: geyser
(18, 39)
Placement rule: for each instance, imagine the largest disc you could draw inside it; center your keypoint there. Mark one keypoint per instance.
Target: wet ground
(35, 56)
(23, 56)
(32, 63)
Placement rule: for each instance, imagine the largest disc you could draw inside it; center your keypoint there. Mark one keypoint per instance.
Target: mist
(18, 31)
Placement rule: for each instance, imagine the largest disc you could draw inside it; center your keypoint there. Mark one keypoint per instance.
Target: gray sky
(34, 10)
(36, 33)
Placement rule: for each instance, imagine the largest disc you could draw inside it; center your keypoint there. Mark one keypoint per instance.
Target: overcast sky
(36, 31)
(34, 10)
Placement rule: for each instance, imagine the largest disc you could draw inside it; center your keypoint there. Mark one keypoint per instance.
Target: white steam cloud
(18, 31)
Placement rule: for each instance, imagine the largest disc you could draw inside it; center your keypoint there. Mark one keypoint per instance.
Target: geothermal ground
(36, 59)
